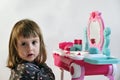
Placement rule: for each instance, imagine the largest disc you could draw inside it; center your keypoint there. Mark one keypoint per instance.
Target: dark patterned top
(31, 71)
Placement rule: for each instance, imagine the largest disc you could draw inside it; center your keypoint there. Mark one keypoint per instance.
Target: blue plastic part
(76, 47)
(93, 50)
(107, 60)
(86, 39)
(106, 50)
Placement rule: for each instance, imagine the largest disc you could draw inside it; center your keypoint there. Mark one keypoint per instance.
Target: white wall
(60, 20)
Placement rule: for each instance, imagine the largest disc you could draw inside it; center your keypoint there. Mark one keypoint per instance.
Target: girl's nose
(29, 47)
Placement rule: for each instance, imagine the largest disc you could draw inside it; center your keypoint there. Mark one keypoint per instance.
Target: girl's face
(28, 48)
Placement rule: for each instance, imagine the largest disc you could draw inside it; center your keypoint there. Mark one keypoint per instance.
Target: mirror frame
(96, 16)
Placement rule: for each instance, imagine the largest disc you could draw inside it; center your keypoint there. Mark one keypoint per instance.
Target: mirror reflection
(95, 32)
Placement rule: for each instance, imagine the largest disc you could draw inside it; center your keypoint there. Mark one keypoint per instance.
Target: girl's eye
(23, 44)
(34, 42)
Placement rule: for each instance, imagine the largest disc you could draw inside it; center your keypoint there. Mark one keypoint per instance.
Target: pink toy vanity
(95, 59)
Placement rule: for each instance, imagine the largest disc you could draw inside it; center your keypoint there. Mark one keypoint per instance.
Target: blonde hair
(25, 28)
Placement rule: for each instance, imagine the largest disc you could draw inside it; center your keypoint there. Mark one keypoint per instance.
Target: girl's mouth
(29, 55)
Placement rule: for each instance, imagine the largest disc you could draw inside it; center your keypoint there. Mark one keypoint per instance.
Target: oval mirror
(95, 30)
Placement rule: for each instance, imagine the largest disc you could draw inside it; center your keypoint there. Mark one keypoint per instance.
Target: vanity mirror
(95, 30)
(98, 40)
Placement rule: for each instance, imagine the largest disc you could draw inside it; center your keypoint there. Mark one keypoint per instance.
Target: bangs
(27, 31)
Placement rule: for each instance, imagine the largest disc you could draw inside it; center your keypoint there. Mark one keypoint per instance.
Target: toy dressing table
(95, 59)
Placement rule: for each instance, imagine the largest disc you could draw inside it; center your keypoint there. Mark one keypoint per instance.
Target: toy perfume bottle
(77, 46)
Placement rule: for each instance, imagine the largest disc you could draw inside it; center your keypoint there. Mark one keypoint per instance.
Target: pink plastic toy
(81, 63)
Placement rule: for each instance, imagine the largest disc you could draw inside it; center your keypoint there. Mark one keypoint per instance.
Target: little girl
(27, 53)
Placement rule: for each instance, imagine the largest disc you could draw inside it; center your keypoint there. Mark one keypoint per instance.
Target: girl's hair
(26, 28)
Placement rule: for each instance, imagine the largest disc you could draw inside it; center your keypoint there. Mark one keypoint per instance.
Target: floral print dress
(31, 71)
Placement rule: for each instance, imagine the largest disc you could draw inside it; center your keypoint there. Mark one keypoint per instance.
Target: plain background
(60, 20)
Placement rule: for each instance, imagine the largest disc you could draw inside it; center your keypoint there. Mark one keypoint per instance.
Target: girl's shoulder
(32, 71)
(22, 71)
(27, 65)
